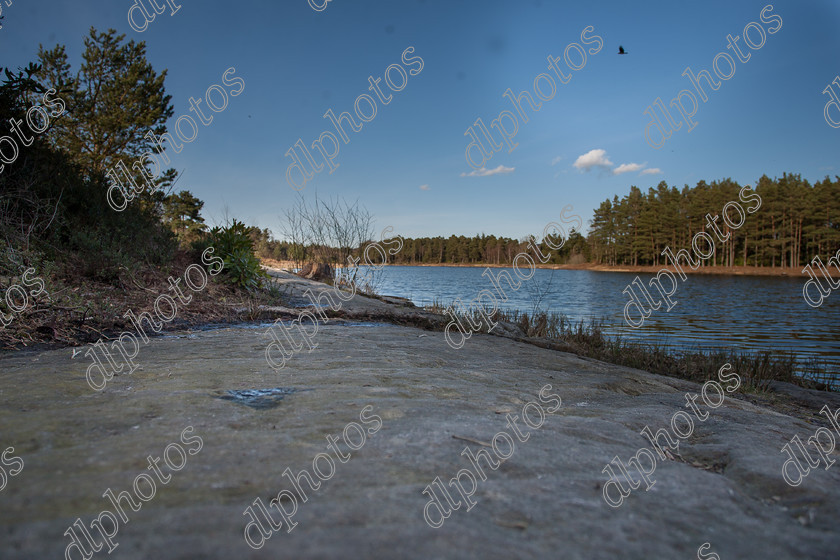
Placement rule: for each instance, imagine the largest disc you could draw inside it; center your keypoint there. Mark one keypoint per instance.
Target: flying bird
(621, 50)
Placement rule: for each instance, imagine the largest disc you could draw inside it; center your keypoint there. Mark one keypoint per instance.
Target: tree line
(312, 232)
(485, 249)
(796, 221)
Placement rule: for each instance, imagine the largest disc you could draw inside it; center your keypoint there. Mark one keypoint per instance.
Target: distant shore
(651, 269)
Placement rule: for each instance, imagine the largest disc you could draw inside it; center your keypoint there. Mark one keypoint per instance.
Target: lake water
(712, 311)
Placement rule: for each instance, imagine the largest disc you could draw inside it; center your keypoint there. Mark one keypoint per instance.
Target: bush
(234, 245)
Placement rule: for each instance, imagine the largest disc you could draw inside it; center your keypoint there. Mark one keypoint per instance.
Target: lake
(712, 311)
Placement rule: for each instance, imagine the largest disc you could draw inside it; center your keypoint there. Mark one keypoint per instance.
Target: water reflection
(712, 311)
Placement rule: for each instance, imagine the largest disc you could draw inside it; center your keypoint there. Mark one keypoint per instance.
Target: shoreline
(652, 269)
(644, 269)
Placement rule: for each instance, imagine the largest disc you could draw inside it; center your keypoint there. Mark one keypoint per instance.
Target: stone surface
(724, 487)
(316, 271)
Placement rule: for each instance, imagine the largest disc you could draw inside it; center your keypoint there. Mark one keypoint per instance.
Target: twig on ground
(471, 440)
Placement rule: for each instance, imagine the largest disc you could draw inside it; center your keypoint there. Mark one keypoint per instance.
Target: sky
(407, 164)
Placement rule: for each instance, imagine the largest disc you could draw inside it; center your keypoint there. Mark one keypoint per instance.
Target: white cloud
(557, 159)
(627, 168)
(593, 158)
(651, 171)
(484, 172)
(424, 187)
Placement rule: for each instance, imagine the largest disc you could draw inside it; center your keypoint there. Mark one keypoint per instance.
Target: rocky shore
(723, 487)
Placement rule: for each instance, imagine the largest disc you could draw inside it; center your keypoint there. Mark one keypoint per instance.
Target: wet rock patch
(259, 398)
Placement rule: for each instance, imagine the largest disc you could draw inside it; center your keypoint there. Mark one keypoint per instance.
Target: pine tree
(113, 101)
(182, 213)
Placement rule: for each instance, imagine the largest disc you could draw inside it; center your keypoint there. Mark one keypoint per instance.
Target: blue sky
(297, 63)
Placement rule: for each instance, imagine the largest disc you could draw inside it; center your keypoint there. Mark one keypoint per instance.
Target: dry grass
(757, 369)
(80, 311)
